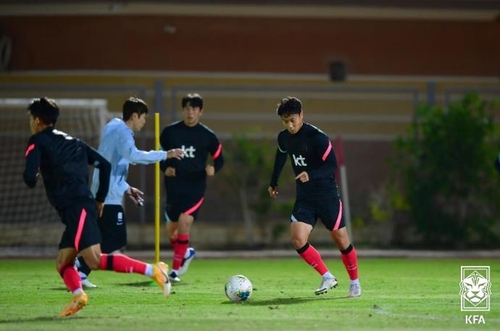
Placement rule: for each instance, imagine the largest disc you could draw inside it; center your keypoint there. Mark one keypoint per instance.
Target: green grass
(397, 294)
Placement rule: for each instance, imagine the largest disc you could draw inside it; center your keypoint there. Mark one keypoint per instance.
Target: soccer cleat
(326, 284)
(87, 284)
(85, 281)
(354, 291)
(186, 261)
(77, 263)
(160, 276)
(174, 278)
(78, 301)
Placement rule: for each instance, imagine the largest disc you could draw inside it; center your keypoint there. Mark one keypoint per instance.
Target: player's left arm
(95, 159)
(33, 159)
(215, 149)
(327, 154)
(279, 163)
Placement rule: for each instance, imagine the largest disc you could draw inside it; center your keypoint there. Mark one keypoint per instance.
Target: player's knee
(172, 237)
(93, 263)
(340, 234)
(341, 241)
(92, 259)
(61, 267)
(298, 242)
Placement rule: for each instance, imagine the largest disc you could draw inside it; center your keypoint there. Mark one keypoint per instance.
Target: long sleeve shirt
(64, 163)
(310, 150)
(197, 142)
(118, 147)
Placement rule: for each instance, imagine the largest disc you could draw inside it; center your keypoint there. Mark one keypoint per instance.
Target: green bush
(247, 172)
(444, 171)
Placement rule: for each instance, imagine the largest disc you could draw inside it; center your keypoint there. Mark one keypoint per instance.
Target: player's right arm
(169, 162)
(33, 159)
(128, 150)
(279, 163)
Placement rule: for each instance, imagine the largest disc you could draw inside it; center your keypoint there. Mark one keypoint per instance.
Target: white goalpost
(26, 218)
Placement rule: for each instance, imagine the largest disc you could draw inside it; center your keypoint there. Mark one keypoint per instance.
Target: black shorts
(113, 228)
(81, 229)
(328, 210)
(187, 204)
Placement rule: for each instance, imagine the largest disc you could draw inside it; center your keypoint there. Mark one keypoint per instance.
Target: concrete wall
(253, 44)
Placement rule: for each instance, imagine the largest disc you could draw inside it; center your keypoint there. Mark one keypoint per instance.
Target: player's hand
(210, 170)
(273, 191)
(136, 196)
(303, 177)
(176, 153)
(100, 208)
(170, 172)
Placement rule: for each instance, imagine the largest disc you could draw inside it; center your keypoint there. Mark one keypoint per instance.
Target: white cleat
(326, 284)
(85, 281)
(186, 261)
(354, 291)
(173, 277)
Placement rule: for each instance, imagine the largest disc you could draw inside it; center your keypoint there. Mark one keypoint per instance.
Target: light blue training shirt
(118, 147)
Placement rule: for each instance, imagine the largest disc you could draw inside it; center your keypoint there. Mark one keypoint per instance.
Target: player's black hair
(289, 106)
(194, 100)
(45, 109)
(134, 105)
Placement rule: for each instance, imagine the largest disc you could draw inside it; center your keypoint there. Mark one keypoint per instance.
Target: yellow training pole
(157, 190)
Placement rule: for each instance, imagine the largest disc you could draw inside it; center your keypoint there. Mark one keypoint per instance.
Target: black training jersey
(63, 162)
(310, 150)
(197, 142)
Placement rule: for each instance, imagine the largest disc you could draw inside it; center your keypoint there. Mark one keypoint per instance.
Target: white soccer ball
(238, 288)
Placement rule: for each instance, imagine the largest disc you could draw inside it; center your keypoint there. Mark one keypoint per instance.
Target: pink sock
(122, 263)
(312, 257)
(180, 248)
(350, 261)
(70, 277)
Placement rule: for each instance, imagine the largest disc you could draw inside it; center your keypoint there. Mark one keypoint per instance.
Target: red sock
(180, 248)
(70, 276)
(122, 263)
(312, 257)
(350, 260)
(173, 242)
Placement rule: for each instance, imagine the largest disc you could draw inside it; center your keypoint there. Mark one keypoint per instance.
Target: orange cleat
(78, 301)
(160, 276)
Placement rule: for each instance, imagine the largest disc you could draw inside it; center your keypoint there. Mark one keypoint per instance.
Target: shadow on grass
(59, 289)
(149, 283)
(146, 283)
(41, 319)
(274, 303)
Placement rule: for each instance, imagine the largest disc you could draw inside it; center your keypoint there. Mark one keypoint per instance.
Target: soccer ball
(238, 288)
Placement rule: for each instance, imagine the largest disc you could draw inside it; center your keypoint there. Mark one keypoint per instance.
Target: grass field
(409, 294)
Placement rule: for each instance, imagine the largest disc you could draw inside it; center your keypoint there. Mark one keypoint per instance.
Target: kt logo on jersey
(188, 152)
(299, 161)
